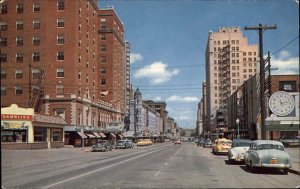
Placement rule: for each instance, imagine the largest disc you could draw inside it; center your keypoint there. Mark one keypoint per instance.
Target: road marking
(101, 169)
(157, 173)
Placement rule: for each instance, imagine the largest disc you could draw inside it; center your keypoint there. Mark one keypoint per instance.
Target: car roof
(242, 140)
(258, 142)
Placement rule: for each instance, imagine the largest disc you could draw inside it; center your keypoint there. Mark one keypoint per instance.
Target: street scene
(150, 94)
(163, 165)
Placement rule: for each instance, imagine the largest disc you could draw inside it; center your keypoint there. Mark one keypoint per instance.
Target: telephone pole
(260, 29)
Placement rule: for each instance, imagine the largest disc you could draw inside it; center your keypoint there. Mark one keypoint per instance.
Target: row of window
(226, 42)
(19, 73)
(36, 7)
(35, 57)
(35, 23)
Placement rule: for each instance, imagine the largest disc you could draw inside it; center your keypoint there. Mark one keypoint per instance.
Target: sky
(168, 40)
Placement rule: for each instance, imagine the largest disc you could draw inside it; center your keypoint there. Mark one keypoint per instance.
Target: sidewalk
(295, 159)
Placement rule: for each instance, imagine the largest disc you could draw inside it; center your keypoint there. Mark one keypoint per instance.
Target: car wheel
(285, 171)
(230, 161)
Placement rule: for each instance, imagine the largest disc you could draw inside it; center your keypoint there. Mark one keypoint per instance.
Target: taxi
(221, 146)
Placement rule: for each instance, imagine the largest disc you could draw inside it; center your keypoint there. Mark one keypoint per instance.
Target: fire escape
(36, 91)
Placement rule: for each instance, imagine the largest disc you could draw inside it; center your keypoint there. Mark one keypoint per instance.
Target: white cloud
(135, 57)
(157, 98)
(157, 72)
(286, 65)
(182, 99)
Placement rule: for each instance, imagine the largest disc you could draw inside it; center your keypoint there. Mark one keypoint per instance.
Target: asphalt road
(158, 166)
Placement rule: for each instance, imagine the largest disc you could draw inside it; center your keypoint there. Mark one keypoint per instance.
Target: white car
(238, 149)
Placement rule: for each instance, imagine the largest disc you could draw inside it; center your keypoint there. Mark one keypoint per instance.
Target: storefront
(22, 129)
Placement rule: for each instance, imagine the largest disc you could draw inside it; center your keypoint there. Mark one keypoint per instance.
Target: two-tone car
(102, 145)
(238, 149)
(267, 154)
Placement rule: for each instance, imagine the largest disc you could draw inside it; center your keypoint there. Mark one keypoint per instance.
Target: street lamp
(238, 128)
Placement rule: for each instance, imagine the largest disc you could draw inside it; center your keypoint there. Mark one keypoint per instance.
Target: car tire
(285, 171)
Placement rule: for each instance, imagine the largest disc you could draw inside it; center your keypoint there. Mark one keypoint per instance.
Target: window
(3, 74)
(57, 134)
(61, 5)
(4, 8)
(103, 59)
(87, 79)
(60, 23)
(20, 25)
(102, 36)
(60, 39)
(19, 74)
(3, 41)
(103, 82)
(59, 89)
(18, 90)
(3, 26)
(289, 86)
(103, 70)
(19, 57)
(36, 7)
(36, 24)
(36, 56)
(19, 41)
(3, 90)
(40, 134)
(60, 56)
(35, 73)
(60, 72)
(3, 57)
(232, 42)
(20, 8)
(79, 75)
(36, 40)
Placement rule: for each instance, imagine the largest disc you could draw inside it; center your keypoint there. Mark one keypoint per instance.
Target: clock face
(281, 103)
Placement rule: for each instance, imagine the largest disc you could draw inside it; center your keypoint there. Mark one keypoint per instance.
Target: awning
(97, 135)
(112, 134)
(90, 135)
(102, 135)
(81, 135)
(120, 135)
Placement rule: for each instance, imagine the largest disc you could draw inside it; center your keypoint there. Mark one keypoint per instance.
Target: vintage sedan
(102, 145)
(238, 149)
(122, 144)
(267, 154)
(221, 146)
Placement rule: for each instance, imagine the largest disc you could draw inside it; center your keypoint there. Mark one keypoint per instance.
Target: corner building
(230, 61)
(49, 61)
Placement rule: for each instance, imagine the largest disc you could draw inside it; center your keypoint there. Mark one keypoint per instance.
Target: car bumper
(279, 166)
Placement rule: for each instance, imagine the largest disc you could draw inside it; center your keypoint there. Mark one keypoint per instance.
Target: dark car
(207, 143)
(102, 145)
(130, 143)
(200, 142)
(122, 144)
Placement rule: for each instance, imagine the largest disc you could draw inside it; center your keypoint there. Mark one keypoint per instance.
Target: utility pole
(260, 29)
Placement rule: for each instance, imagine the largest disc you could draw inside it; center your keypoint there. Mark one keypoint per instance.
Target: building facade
(230, 61)
(51, 62)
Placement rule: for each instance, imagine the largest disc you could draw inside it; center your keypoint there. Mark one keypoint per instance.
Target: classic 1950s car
(238, 149)
(267, 153)
(221, 146)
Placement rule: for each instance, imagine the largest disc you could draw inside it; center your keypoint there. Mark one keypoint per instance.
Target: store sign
(15, 124)
(16, 117)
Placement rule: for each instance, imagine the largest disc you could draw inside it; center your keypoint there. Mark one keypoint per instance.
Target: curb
(294, 171)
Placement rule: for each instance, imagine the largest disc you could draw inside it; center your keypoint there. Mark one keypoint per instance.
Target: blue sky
(168, 40)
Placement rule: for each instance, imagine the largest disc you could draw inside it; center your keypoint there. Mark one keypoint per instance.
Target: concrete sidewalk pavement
(295, 159)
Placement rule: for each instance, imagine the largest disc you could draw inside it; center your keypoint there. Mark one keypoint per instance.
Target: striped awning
(90, 135)
(112, 134)
(81, 135)
(102, 135)
(96, 134)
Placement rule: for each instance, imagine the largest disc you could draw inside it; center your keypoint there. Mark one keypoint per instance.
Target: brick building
(50, 62)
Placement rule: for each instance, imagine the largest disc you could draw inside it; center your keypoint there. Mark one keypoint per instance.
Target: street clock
(281, 103)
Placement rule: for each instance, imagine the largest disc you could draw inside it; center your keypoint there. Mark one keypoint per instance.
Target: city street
(162, 165)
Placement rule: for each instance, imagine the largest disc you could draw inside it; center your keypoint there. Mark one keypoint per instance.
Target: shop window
(57, 135)
(13, 136)
(40, 134)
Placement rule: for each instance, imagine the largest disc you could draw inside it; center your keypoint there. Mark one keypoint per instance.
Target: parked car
(207, 143)
(177, 142)
(200, 142)
(130, 143)
(238, 149)
(267, 154)
(102, 145)
(122, 144)
(290, 141)
(221, 146)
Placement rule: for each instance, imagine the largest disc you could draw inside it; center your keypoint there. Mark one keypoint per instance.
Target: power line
(286, 45)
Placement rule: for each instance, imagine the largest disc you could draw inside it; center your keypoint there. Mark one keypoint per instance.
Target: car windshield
(241, 144)
(270, 146)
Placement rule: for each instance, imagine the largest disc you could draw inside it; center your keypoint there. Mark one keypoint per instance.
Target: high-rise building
(112, 59)
(230, 61)
(127, 78)
(50, 62)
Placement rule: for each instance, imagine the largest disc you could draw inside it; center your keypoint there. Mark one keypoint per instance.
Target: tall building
(127, 78)
(112, 59)
(230, 61)
(50, 62)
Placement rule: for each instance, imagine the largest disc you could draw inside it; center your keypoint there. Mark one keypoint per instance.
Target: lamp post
(238, 128)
